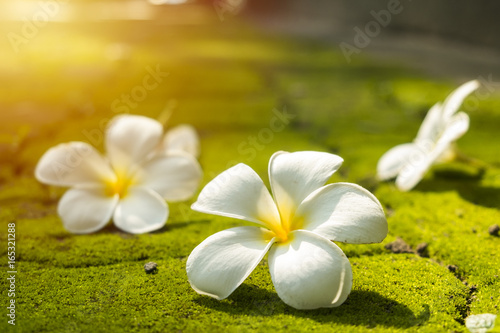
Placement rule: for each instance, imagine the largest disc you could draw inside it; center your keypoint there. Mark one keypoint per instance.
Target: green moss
(229, 85)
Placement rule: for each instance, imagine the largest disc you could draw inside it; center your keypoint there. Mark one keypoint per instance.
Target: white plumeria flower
(442, 126)
(130, 186)
(480, 323)
(307, 269)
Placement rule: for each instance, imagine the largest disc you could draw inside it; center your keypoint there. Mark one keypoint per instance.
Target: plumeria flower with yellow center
(308, 270)
(434, 143)
(129, 185)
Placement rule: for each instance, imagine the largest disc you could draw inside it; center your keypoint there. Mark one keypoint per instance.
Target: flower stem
(165, 115)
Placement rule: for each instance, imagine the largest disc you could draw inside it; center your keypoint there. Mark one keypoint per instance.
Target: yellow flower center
(282, 228)
(280, 232)
(119, 186)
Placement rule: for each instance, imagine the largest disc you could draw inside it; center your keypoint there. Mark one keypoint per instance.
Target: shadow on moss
(362, 308)
(178, 225)
(468, 189)
(112, 229)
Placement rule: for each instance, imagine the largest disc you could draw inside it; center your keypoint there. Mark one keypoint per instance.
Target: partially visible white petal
(224, 260)
(239, 193)
(309, 271)
(130, 139)
(393, 161)
(73, 163)
(87, 209)
(456, 127)
(423, 158)
(443, 150)
(413, 172)
(432, 124)
(293, 176)
(183, 138)
(175, 176)
(455, 99)
(343, 212)
(480, 323)
(141, 210)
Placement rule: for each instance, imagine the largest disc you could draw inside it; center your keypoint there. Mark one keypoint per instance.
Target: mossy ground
(226, 80)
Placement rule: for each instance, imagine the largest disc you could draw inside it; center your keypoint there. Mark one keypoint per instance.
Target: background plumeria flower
(130, 186)
(307, 269)
(442, 126)
(480, 323)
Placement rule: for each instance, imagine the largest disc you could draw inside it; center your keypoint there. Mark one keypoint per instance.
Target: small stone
(452, 268)
(494, 229)
(399, 246)
(150, 267)
(422, 250)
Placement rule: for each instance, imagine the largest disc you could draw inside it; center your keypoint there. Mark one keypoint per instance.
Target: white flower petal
(224, 260)
(72, 163)
(455, 99)
(443, 150)
(175, 176)
(183, 138)
(141, 210)
(393, 161)
(343, 212)
(87, 209)
(413, 172)
(293, 176)
(432, 125)
(239, 193)
(310, 272)
(130, 139)
(480, 323)
(455, 128)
